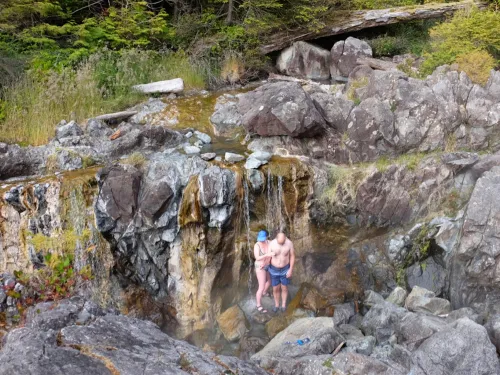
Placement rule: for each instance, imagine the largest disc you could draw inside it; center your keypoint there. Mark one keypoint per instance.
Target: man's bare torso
(281, 253)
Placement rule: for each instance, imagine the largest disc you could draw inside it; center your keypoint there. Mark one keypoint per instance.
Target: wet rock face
(475, 270)
(281, 108)
(305, 60)
(105, 344)
(226, 118)
(170, 226)
(138, 211)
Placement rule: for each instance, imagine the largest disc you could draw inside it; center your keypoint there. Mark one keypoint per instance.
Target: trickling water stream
(280, 203)
(246, 214)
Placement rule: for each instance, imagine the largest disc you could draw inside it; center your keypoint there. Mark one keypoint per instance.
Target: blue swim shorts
(278, 275)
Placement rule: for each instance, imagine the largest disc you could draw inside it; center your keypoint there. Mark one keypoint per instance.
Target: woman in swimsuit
(262, 261)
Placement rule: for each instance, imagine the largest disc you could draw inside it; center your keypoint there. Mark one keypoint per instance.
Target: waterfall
(269, 200)
(246, 213)
(275, 220)
(280, 203)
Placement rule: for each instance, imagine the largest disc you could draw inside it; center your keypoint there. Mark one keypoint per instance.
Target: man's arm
(292, 261)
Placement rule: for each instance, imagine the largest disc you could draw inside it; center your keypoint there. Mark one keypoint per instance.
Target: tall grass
(35, 103)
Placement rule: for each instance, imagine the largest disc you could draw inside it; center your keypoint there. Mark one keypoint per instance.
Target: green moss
(63, 243)
(343, 184)
(452, 203)
(382, 164)
(136, 159)
(51, 164)
(401, 277)
(88, 161)
(328, 363)
(355, 85)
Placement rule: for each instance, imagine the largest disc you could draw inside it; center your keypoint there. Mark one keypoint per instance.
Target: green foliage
(355, 85)
(477, 64)
(3, 106)
(328, 363)
(467, 32)
(381, 4)
(400, 39)
(401, 277)
(57, 280)
(343, 184)
(98, 85)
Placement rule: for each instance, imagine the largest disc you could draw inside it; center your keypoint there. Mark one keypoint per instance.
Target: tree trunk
(349, 21)
(230, 10)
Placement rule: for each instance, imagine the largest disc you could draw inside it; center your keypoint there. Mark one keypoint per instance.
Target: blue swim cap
(262, 236)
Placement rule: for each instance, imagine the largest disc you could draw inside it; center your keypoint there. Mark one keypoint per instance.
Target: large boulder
(18, 161)
(324, 338)
(232, 323)
(371, 130)
(462, 347)
(381, 321)
(423, 300)
(280, 108)
(493, 328)
(474, 271)
(345, 54)
(217, 194)
(334, 108)
(429, 274)
(397, 296)
(305, 60)
(413, 329)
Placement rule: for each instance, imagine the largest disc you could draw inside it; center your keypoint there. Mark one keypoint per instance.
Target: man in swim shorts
(281, 269)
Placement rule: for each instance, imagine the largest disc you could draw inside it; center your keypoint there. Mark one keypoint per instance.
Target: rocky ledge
(77, 337)
(377, 337)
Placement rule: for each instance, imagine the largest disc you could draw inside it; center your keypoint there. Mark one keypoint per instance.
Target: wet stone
(204, 138)
(233, 158)
(191, 150)
(261, 318)
(208, 156)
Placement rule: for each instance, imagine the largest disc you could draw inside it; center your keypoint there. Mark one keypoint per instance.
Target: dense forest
(75, 58)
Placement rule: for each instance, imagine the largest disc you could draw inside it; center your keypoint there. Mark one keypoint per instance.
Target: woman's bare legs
(268, 283)
(261, 278)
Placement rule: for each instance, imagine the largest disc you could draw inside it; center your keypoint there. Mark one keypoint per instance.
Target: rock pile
(387, 340)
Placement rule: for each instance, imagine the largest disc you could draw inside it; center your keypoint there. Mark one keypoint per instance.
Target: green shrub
(477, 64)
(467, 32)
(400, 39)
(56, 280)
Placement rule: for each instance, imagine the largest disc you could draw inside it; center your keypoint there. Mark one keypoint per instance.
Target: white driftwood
(175, 86)
(117, 116)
